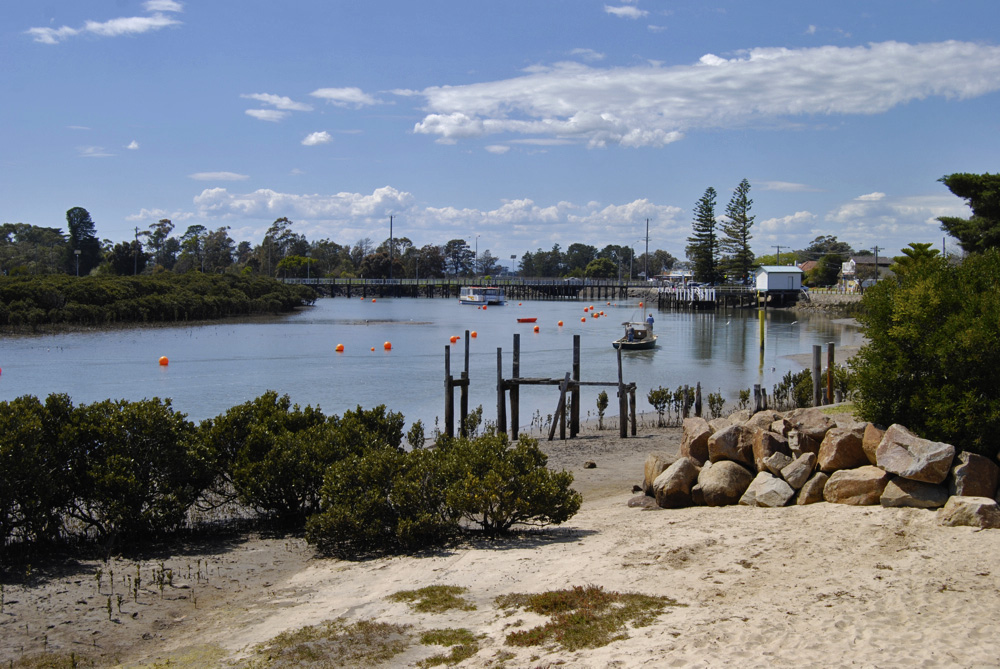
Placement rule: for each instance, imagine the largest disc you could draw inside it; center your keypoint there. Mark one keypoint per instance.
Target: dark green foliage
(602, 406)
(103, 300)
(703, 244)
(82, 238)
(795, 390)
(136, 467)
(982, 193)
(387, 499)
(659, 398)
(736, 243)
(496, 486)
(34, 473)
(716, 403)
(933, 358)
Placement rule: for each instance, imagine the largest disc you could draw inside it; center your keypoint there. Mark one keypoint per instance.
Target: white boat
(481, 296)
(642, 339)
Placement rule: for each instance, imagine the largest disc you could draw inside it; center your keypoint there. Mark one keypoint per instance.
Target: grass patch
(435, 599)
(583, 617)
(61, 660)
(843, 407)
(462, 642)
(332, 644)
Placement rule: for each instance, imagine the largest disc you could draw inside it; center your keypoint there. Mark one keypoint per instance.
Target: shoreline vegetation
(61, 303)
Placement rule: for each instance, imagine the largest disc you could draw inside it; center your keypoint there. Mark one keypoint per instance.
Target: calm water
(214, 367)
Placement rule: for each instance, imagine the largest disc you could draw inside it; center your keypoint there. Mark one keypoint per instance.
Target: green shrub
(496, 486)
(932, 361)
(602, 406)
(659, 398)
(716, 404)
(137, 467)
(34, 477)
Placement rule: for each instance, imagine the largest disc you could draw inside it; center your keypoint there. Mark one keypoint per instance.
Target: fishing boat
(643, 338)
(526, 320)
(481, 296)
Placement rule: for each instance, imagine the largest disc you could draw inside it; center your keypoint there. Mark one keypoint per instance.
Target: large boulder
(800, 443)
(776, 462)
(811, 422)
(724, 483)
(841, 449)
(812, 491)
(917, 494)
(972, 511)
(768, 491)
(762, 420)
(799, 470)
(870, 440)
(766, 444)
(694, 439)
(655, 465)
(974, 476)
(905, 454)
(672, 488)
(861, 487)
(734, 443)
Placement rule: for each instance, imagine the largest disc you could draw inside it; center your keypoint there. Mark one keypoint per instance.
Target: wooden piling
(574, 425)
(449, 397)
(829, 372)
(515, 392)
(501, 400)
(697, 399)
(622, 401)
(817, 367)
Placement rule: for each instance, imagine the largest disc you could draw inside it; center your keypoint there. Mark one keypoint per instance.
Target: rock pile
(805, 456)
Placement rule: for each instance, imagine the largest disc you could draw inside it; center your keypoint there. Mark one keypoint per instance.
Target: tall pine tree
(703, 246)
(82, 238)
(736, 243)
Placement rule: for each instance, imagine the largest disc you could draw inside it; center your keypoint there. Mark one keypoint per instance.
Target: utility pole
(876, 250)
(135, 254)
(390, 248)
(645, 262)
(777, 257)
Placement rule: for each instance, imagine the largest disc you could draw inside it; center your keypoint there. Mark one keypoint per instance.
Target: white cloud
(587, 54)
(271, 115)
(93, 152)
(163, 6)
(791, 223)
(316, 138)
(133, 145)
(811, 30)
(786, 187)
(266, 203)
(131, 25)
(654, 105)
(498, 149)
(626, 12)
(345, 97)
(159, 214)
(218, 176)
(871, 197)
(278, 101)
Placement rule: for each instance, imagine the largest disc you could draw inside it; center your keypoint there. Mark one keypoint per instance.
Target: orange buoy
(473, 334)
(536, 328)
(560, 323)
(164, 361)
(609, 304)
(339, 348)
(586, 309)
(387, 346)
(373, 300)
(518, 304)
(373, 348)
(484, 307)
(583, 320)
(640, 304)
(453, 339)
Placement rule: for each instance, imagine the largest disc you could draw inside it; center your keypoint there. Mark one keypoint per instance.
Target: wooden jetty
(515, 288)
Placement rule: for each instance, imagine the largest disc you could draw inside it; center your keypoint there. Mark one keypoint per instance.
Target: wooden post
(685, 405)
(560, 416)
(763, 398)
(622, 401)
(515, 390)
(501, 400)
(756, 397)
(817, 367)
(449, 398)
(464, 393)
(697, 399)
(631, 410)
(829, 372)
(574, 413)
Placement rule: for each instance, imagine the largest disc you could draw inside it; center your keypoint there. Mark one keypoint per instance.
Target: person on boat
(649, 321)
(629, 333)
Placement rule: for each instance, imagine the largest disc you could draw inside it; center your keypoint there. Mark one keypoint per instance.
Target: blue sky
(526, 122)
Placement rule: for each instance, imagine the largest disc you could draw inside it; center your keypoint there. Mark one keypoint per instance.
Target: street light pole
(76, 252)
(475, 265)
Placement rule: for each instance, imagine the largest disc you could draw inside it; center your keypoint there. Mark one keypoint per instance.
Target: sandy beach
(819, 585)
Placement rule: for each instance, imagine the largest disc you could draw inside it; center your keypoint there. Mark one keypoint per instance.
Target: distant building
(777, 278)
(861, 271)
(808, 266)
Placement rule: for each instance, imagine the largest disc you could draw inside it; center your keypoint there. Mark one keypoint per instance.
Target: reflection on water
(214, 367)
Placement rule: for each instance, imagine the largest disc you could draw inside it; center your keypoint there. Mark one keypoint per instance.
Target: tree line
(123, 474)
(284, 253)
(101, 300)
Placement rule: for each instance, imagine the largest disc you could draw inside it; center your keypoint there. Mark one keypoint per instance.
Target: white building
(778, 278)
